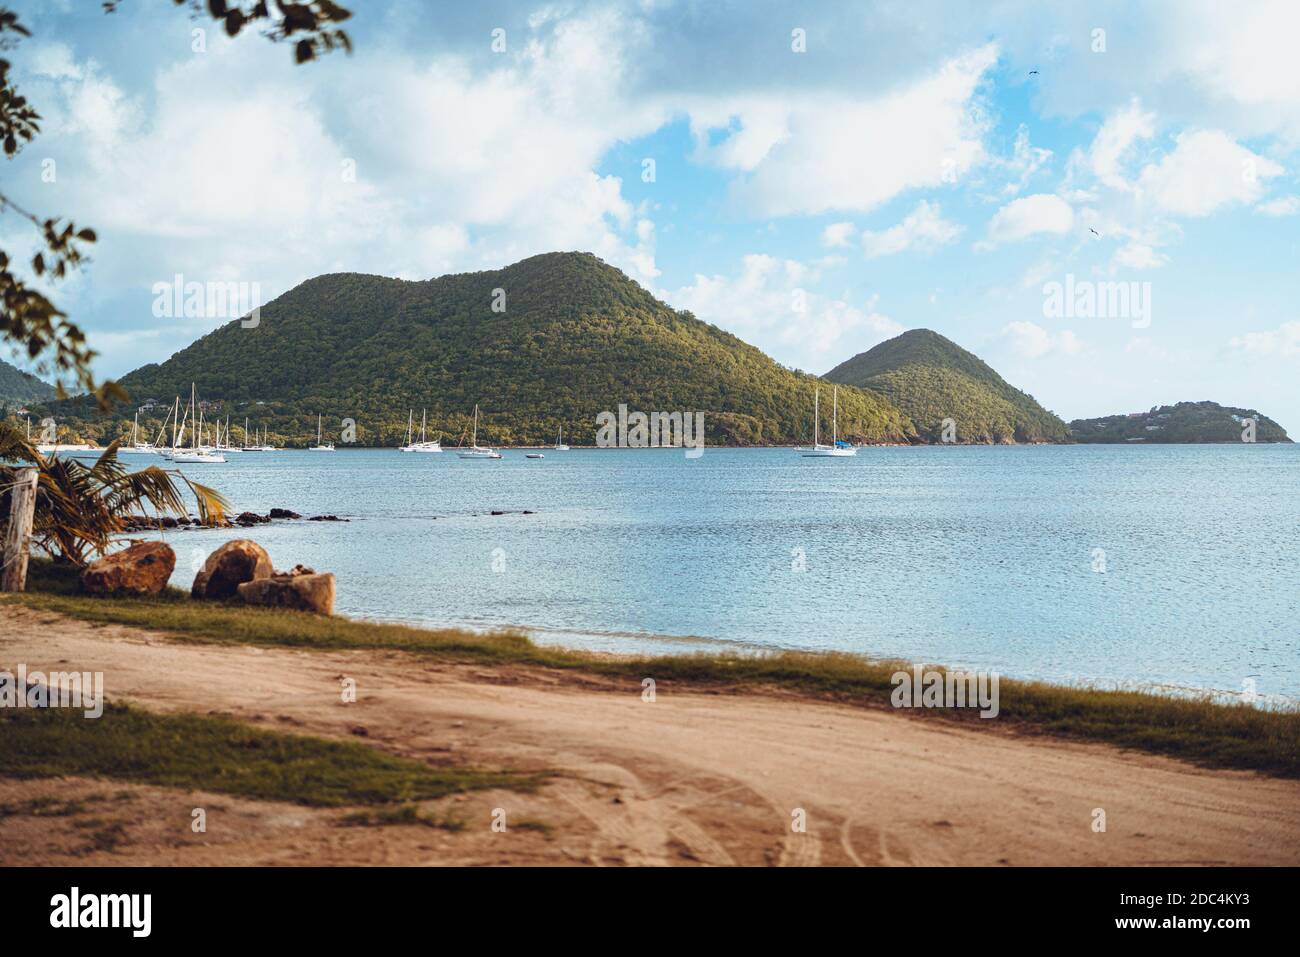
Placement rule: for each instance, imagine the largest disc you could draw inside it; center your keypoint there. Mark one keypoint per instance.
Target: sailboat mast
(424, 418)
(835, 414)
(817, 398)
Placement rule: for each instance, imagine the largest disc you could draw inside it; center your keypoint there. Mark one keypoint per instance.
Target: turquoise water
(970, 556)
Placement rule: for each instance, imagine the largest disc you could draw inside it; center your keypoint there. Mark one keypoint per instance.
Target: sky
(1099, 199)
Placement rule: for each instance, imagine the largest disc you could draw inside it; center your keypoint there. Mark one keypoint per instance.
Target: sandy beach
(690, 778)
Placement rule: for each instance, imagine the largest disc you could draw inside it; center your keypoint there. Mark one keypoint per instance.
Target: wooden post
(22, 507)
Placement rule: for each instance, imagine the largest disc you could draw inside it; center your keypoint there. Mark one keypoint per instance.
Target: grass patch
(42, 807)
(212, 753)
(1200, 731)
(406, 814)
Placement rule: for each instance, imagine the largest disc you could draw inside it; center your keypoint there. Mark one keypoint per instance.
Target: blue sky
(902, 169)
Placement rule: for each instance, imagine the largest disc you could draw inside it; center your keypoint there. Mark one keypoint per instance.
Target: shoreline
(703, 774)
(1193, 729)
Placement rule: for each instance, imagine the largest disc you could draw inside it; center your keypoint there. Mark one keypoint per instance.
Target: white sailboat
(475, 451)
(136, 447)
(559, 442)
(254, 447)
(321, 446)
(834, 450)
(258, 446)
(223, 444)
(423, 445)
(198, 453)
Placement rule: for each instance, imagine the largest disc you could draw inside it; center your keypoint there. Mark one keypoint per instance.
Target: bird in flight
(1033, 72)
(1094, 232)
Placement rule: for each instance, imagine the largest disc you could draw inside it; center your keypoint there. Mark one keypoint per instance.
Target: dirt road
(691, 778)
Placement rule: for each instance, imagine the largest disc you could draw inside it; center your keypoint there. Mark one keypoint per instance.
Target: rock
(326, 518)
(250, 518)
(308, 591)
(282, 513)
(234, 563)
(141, 569)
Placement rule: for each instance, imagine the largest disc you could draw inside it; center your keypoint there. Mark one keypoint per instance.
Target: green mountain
(572, 337)
(18, 388)
(931, 378)
(1184, 422)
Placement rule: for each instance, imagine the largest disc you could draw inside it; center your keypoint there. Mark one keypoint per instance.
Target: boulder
(234, 563)
(283, 513)
(141, 569)
(304, 591)
(250, 518)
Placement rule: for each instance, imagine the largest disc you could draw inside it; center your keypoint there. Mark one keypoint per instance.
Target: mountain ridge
(933, 380)
(19, 388)
(546, 342)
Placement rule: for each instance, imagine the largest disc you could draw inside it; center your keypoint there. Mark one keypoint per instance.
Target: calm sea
(1173, 566)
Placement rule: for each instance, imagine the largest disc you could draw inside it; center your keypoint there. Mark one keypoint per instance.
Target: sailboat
(223, 445)
(835, 450)
(321, 446)
(136, 447)
(246, 447)
(197, 454)
(475, 451)
(257, 446)
(423, 445)
(559, 442)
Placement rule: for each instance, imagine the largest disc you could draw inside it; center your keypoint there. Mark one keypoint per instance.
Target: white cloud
(1282, 206)
(769, 303)
(1206, 171)
(1137, 256)
(835, 151)
(923, 228)
(1284, 341)
(1114, 141)
(838, 234)
(240, 166)
(1029, 216)
(1025, 161)
(1031, 341)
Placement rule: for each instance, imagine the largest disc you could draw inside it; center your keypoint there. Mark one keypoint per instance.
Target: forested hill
(18, 387)
(575, 337)
(931, 378)
(1184, 422)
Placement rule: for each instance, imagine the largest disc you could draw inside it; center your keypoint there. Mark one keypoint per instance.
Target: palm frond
(80, 508)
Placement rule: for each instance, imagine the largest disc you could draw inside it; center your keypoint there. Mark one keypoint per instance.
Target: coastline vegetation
(1199, 731)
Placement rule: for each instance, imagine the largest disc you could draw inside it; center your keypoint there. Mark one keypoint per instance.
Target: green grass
(212, 753)
(407, 814)
(1196, 730)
